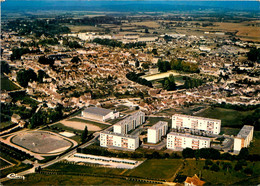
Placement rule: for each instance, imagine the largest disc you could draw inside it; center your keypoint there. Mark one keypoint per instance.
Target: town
(162, 99)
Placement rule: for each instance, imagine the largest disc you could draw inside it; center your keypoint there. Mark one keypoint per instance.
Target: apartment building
(129, 123)
(180, 141)
(155, 133)
(120, 141)
(243, 138)
(209, 125)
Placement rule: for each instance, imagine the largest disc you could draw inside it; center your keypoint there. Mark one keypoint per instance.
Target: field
(150, 24)
(245, 31)
(18, 165)
(154, 120)
(156, 169)
(100, 125)
(222, 176)
(8, 85)
(159, 76)
(5, 124)
(229, 131)
(41, 142)
(229, 117)
(39, 179)
(84, 169)
(254, 147)
(74, 28)
(3, 163)
(80, 126)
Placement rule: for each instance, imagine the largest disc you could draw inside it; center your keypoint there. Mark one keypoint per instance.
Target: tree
(188, 153)
(46, 61)
(254, 54)
(5, 67)
(227, 166)
(25, 76)
(243, 154)
(137, 63)
(214, 167)
(248, 171)
(75, 59)
(84, 134)
(41, 75)
(145, 65)
(146, 30)
(208, 162)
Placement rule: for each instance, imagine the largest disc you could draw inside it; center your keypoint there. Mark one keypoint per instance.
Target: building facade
(119, 141)
(155, 133)
(180, 141)
(129, 123)
(209, 125)
(243, 138)
(99, 114)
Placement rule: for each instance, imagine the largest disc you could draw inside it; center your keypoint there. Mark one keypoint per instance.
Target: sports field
(41, 142)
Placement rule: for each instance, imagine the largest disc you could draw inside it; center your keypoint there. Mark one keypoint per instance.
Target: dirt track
(80, 125)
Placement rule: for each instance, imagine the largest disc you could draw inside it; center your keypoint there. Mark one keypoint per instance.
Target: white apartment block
(243, 138)
(129, 123)
(121, 141)
(209, 125)
(180, 141)
(156, 132)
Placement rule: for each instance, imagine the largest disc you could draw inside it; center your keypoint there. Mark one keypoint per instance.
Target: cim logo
(15, 176)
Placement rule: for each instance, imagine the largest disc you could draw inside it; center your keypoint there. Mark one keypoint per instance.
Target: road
(59, 158)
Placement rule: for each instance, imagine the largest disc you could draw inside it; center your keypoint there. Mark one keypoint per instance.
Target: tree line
(178, 65)
(191, 82)
(26, 76)
(213, 154)
(43, 117)
(134, 155)
(18, 52)
(115, 43)
(136, 78)
(36, 27)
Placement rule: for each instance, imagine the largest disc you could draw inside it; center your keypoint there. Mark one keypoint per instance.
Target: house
(193, 181)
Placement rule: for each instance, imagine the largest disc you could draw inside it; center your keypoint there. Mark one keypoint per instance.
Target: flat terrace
(196, 117)
(189, 136)
(244, 132)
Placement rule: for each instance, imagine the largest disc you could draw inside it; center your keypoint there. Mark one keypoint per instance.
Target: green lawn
(101, 125)
(222, 177)
(3, 163)
(5, 124)
(8, 85)
(156, 169)
(254, 147)
(40, 179)
(84, 169)
(228, 117)
(153, 120)
(229, 131)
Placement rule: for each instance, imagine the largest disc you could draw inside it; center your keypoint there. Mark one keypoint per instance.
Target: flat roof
(197, 117)
(243, 133)
(158, 124)
(104, 157)
(121, 135)
(189, 136)
(131, 117)
(97, 111)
